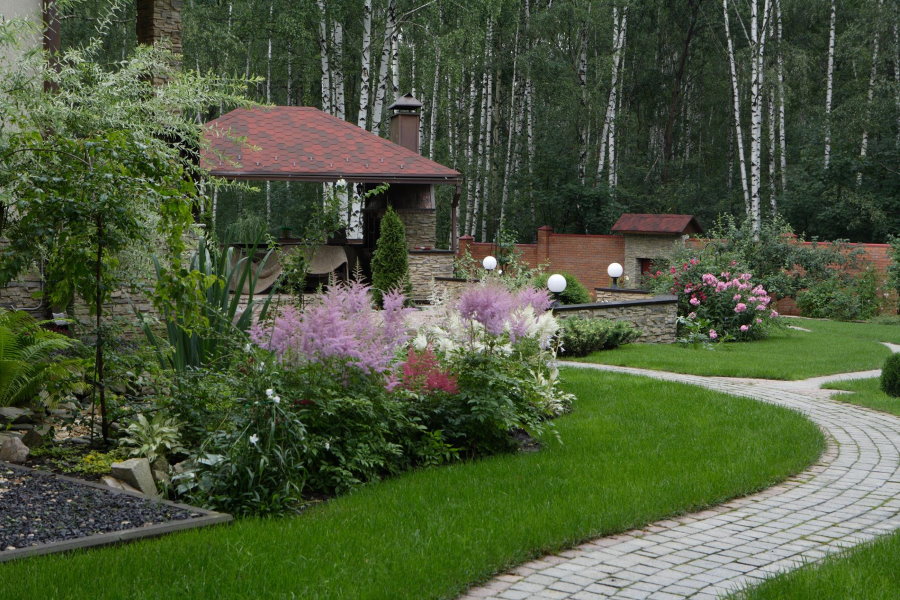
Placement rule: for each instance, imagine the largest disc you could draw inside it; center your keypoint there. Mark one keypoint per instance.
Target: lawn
(634, 450)
(866, 392)
(829, 347)
(869, 572)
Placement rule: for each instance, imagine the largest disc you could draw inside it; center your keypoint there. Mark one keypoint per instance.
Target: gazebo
(304, 144)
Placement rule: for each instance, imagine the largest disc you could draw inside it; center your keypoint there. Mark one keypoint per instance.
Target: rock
(13, 451)
(12, 415)
(38, 436)
(10, 434)
(162, 478)
(77, 441)
(117, 484)
(183, 467)
(136, 472)
(70, 406)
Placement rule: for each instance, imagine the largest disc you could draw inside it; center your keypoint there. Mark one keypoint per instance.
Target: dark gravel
(38, 508)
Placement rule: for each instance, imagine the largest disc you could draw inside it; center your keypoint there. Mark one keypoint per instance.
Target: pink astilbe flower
(537, 299)
(340, 325)
(422, 373)
(489, 305)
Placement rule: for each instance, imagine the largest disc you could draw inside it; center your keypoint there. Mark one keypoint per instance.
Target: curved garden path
(850, 496)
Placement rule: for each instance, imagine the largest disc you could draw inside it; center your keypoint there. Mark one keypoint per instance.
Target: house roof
(304, 143)
(657, 224)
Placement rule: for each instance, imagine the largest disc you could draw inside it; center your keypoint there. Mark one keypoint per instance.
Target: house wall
(424, 266)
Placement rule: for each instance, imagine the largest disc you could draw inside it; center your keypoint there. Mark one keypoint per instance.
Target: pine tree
(390, 262)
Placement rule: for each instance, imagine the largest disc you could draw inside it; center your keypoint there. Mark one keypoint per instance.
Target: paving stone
(851, 495)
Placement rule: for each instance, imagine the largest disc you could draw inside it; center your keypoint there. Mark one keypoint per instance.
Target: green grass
(633, 451)
(866, 392)
(830, 347)
(869, 572)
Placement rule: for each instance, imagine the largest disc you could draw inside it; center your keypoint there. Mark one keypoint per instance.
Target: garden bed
(43, 512)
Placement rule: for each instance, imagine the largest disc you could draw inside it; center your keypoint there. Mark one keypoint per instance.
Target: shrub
(890, 376)
(390, 262)
(579, 336)
(575, 292)
(730, 305)
(841, 299)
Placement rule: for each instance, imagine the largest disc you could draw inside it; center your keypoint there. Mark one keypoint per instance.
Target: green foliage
(575, 292)
(203, 332)
(890, 376)
(893, 281)
(390, 262)
(30, 362)
(154, 438)
(580, 336)
(74, 460)
(841, 299)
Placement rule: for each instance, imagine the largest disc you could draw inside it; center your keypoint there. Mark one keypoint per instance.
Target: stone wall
(424, 266)
(619, 294)
(646, 246)
(158, 20)
(420, 227)
(656, 317)
(452, 287)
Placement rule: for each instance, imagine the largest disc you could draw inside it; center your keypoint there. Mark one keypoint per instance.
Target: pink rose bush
(718, 304)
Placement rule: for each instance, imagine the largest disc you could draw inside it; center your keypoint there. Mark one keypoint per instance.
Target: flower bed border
(208, 517)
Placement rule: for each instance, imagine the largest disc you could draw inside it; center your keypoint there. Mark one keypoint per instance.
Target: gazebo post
(454, 218)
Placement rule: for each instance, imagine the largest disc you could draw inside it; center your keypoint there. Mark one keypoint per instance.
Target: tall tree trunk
(479, 158)
(362, 114)
(581, 71)
(829, 82)
(678, 85)
(612, 101)
(290, 71)
(782, 138)
(380, 94)
(433, 109)
(511, 132)
(870, 96)
(758, 31)
(613, 174)
(337, 69)
(736, 97)
(487, 170)
(470, 163)
(323, 51)
(773, 170)
(269, 56)
(395, 51)
(897, 77)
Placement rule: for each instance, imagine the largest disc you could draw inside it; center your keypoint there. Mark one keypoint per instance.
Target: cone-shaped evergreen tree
(390, 262)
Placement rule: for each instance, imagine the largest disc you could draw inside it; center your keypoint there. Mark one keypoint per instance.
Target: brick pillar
(158, 20)
(464, 242)
(543, 244)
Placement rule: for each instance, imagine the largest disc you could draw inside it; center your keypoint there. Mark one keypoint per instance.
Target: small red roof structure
(657, 224)
(306, 144)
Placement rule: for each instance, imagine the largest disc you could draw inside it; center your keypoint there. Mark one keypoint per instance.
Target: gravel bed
(39, 508)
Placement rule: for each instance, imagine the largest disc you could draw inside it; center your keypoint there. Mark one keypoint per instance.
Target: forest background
(570, 112)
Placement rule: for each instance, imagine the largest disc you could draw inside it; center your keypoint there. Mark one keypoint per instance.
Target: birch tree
(323, 51)
(870, 95)
(362, 114)
(829, 82)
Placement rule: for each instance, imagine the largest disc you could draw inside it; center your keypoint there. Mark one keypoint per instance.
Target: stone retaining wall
(424, 267)
(620, 294)
(656, 317)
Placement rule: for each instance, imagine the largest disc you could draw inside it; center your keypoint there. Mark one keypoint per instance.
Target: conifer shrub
(890, 376)
(390, 262)
(575, 292)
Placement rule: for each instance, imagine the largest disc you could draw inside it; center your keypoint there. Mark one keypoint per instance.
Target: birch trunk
(735, 93)
(470, 168)
(773, 171)
(362, 115)
(395, 51)
(611, 100)
(757, 52)
(897, 77)
(612, 173)
(269, 60)
(337, 69)
(511, 130)
(829, 83)
(581, 70)
(487, 162)
(290, 74)
(873, 75)
(479, 157)
(433, 109)
(782, 139)
(378, 109)
(323, 51)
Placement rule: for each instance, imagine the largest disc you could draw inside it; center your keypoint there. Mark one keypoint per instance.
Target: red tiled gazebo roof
(304, 143)
(657, 224)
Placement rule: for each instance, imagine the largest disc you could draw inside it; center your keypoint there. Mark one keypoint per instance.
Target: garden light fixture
(615, 271)
(556, 283)
(489, 263)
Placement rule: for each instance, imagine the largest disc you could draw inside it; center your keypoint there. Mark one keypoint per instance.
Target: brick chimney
(158, 20)
(405, 122)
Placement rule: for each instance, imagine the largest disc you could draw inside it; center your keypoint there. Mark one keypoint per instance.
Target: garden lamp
(489, 263)
(556, 283)
(615, 271)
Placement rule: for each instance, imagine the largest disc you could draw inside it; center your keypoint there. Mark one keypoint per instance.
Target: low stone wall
(656, 317)
(424, 267)
(452, 287)
(620, 294)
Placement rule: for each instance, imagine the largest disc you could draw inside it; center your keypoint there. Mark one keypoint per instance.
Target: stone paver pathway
(850, 496)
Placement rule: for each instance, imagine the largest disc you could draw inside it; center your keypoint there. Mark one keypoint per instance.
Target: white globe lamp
(556, 283)
(489, 263)
(615, 270)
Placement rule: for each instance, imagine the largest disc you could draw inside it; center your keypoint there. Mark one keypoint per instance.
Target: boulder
(117, 484)
(136, 472)
(10, 415)
(38, 436)
(13, 451)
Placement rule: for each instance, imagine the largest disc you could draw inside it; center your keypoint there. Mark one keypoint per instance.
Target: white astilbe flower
(544, 328)
(254, 439)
